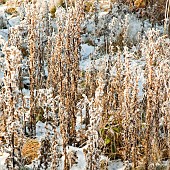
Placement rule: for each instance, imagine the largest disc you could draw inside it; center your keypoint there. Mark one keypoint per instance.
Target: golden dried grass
(30, 150)
(11, 11)
(140, 3)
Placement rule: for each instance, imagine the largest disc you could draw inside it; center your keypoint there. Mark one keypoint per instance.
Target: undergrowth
(119, 107)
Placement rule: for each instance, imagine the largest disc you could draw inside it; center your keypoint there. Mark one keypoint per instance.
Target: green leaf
(116, 129)
(102, 132)
(107, 141)
(113, 148)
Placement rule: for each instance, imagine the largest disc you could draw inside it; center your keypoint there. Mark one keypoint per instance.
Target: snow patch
(2, 160)
(86, 50)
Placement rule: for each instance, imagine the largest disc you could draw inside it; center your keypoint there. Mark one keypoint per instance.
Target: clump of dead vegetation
(30, 150)
(11, 11)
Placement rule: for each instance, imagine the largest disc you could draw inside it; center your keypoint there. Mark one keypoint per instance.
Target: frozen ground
(135, 26)
(85, 63)
(2, 160)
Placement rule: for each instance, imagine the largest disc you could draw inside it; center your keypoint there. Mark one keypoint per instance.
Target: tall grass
(123, 105)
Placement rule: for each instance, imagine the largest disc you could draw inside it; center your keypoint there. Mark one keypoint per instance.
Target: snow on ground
(135, 26)
(86, 50)
(81, 158)
(1, 76)
(116, 165)
(41, 130)
(4, 34)
(2, 160)
(14, 20)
